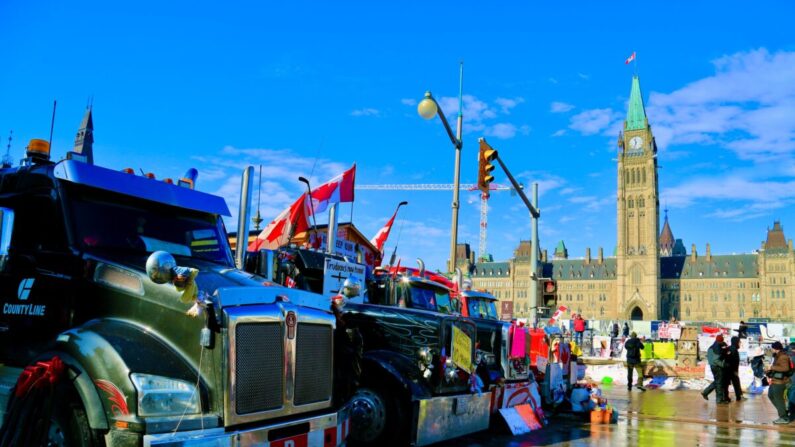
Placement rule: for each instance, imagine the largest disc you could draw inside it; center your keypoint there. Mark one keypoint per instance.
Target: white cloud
(560, 107)
(595, 121)
(746, 106)
(584, 76)
(507, 104)
(408, 101)
(501, 130)
(762, 194)
(559, 133)
(366, 112)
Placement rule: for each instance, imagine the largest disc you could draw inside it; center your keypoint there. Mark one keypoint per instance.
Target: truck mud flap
(448, 417)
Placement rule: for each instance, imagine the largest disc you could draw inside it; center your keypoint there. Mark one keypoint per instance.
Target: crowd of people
(723, 360)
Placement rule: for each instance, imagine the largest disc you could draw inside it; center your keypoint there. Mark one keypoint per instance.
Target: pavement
(655, 418)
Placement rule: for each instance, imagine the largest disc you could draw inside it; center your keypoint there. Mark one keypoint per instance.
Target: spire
(84, 140)
(636, 114)
(560, 251)
(667, 240)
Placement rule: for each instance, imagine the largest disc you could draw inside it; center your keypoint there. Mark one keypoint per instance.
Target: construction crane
(484, 200)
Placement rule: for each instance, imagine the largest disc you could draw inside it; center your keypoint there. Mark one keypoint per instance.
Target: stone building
(650, 275)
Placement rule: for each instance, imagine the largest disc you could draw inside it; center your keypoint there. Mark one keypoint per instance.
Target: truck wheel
(376, 417)
(69, 424)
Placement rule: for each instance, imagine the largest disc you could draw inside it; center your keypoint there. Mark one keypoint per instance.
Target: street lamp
(428, 108)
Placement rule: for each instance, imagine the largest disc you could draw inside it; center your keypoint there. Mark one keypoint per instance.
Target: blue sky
(310, 88)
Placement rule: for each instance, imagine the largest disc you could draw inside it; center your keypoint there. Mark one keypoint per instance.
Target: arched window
(602, 311)
(631, 203)
(633, 176)
(626, 176)
(643, 175)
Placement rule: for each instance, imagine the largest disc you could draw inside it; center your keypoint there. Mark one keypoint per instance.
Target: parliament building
(650, 276)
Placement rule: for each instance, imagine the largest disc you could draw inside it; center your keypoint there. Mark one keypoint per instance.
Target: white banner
(336, 272)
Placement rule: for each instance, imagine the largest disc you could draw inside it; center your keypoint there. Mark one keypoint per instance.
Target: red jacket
(579, 325)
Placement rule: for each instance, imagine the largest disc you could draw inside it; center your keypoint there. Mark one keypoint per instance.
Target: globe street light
(428, 108)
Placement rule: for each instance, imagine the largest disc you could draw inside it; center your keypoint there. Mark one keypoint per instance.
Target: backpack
(714, 359)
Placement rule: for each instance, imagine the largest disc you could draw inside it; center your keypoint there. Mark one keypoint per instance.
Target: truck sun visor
(138, 186)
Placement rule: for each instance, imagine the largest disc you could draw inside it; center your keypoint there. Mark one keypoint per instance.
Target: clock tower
(638, 208)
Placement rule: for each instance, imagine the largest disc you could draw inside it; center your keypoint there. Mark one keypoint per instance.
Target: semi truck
(129, 283)
(417, 381)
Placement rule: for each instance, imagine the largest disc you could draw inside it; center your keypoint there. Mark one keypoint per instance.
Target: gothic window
(632, 176)
(742, 312)
(602, 311)
(641, 202)
(626, 176)
(714, 312)
(756, 312)
(635, 274)
(783, 292)
(631, 203)
(644, 175)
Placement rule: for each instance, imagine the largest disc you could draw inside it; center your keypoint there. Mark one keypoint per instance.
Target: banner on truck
(335, 273)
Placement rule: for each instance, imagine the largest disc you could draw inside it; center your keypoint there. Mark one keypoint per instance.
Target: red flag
(380, 238)
(557, 314)
(290, 222)
(337, 190)
(630, 58)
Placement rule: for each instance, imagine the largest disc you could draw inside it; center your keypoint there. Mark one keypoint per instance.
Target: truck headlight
(426, 356)
(163, 396)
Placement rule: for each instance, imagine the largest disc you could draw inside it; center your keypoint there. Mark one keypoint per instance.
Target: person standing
(779, 372)
(742, 331)
(625, 331)
(716, 357)
(733, 370)
(758, 367)
(633, 346)
(579, 329)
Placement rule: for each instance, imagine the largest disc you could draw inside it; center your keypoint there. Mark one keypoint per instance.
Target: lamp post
(428, 108)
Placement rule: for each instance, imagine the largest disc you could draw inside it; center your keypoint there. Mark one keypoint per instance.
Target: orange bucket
(596, 416)
(606, 415)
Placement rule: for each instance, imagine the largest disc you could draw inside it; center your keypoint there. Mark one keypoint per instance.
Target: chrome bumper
(326, 430)
(448, 417)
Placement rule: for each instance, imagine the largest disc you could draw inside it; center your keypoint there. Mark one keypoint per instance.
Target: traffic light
(485, 156)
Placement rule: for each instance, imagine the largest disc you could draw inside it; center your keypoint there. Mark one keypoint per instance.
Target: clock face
(635, 143)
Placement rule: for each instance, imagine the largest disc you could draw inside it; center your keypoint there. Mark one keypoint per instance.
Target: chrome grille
(313, 364)
(259, 369)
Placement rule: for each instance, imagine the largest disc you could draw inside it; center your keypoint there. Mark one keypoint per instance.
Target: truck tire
(69, 425)
(377, 417)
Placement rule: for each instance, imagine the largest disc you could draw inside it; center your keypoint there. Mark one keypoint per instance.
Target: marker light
(128, 171)
(149, 175)
(169, 181)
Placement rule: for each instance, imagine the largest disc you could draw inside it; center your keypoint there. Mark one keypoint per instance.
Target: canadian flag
(380, 238)
(337, 190)
(290, 222)
(557, 314)
(630, 58)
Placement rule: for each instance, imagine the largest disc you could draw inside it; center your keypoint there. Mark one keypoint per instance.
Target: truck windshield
(427, 298)
(124, 226)
(482, 308)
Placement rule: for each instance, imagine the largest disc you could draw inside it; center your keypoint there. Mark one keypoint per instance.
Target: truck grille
(313, 364)
(259, 371)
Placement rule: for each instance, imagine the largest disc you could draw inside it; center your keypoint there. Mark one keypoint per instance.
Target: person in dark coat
(614, 331)
(733, 370)
(742, 331)
(633, 347)
(625, 331)
(716, 356)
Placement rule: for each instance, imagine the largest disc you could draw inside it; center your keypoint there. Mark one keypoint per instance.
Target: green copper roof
(636, 115)
(560, 248)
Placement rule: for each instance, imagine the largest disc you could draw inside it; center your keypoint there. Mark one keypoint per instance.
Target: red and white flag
(380, 238)
(630, 58)
(337, 190)
(557, 314)
(290, 222)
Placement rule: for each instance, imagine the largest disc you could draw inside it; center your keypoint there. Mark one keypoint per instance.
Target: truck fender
(86, 390)
(106, 371)
(397, 367)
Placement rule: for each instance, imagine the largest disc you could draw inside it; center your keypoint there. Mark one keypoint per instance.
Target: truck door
(36, 290)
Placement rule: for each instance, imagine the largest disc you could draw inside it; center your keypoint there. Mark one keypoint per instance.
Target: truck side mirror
(6, 230)
(160, 267)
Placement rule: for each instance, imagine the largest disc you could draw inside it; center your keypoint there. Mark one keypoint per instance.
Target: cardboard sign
(336, 272)
(462, 349)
